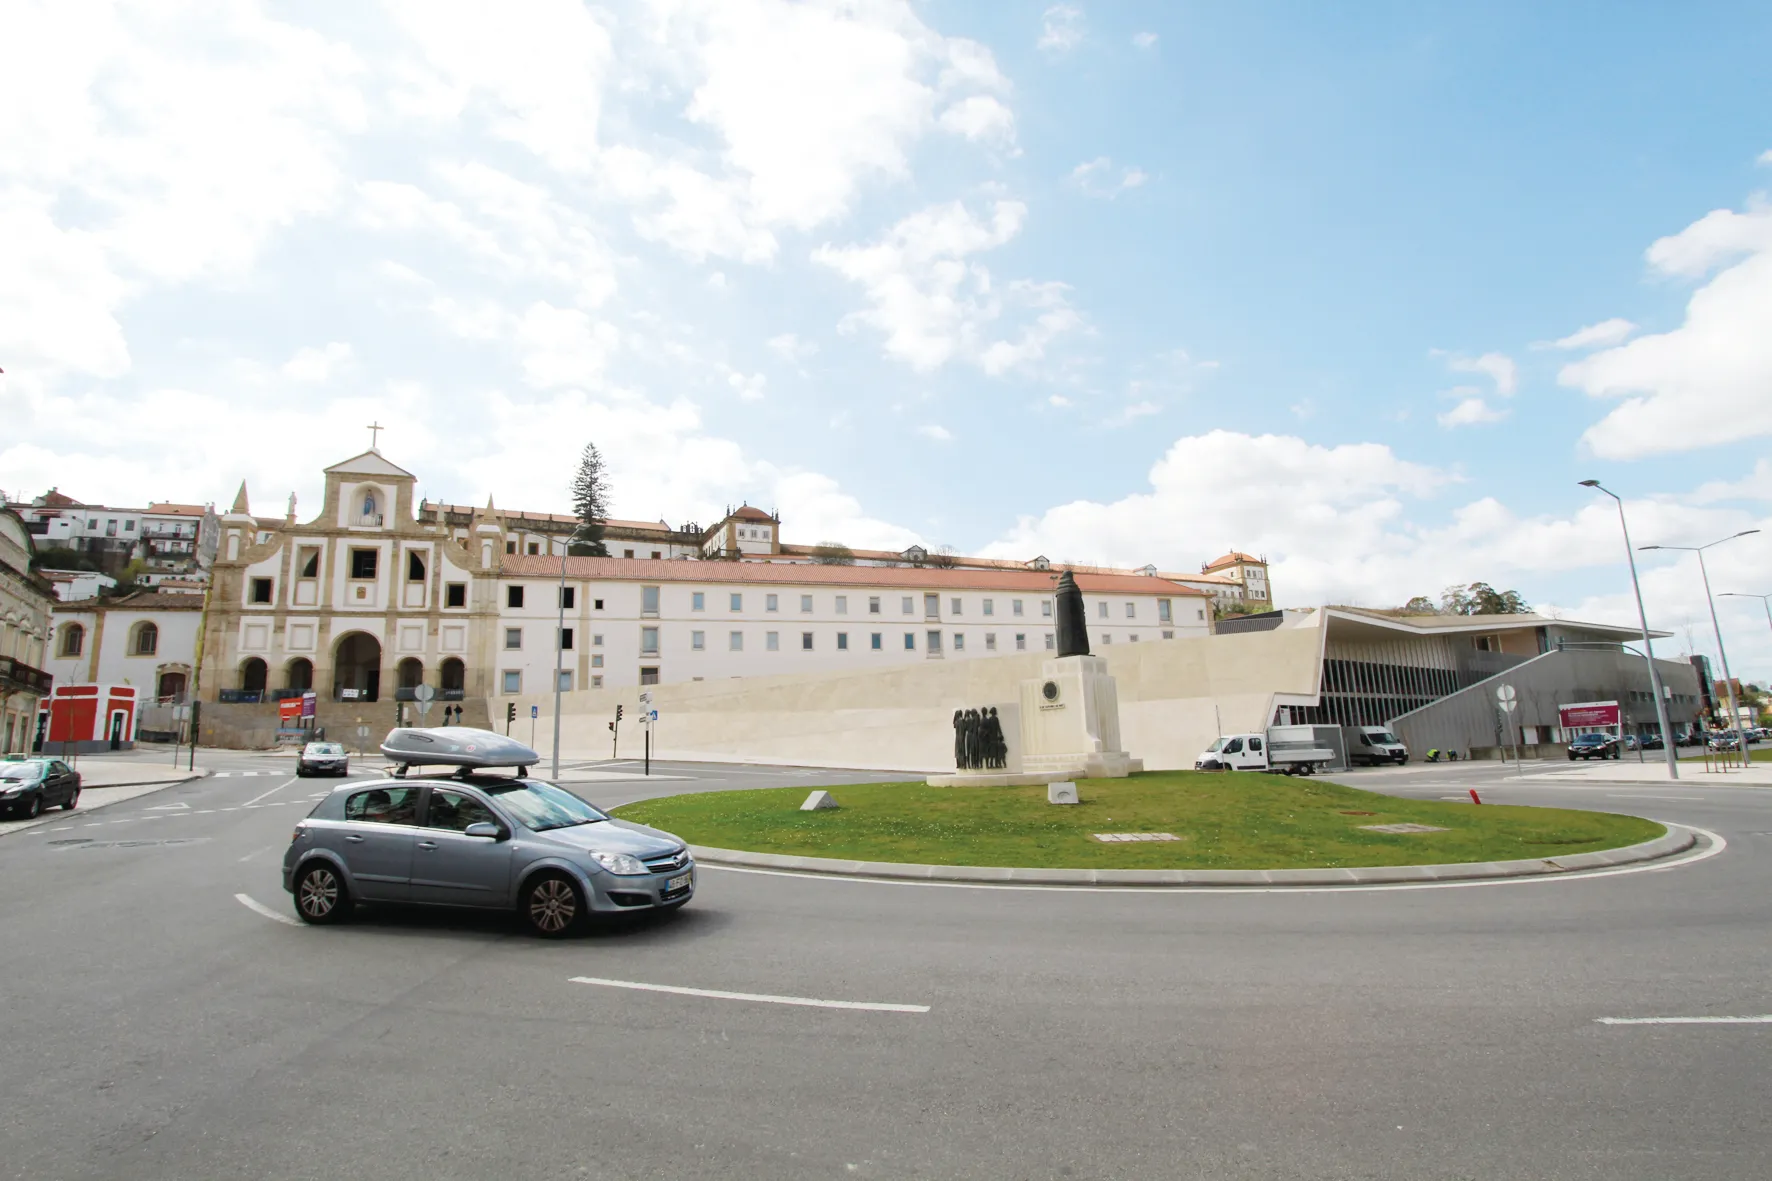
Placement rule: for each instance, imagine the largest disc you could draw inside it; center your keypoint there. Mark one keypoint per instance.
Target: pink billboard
(1588, 713)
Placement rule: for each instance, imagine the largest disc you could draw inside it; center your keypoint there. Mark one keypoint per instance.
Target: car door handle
(354, 839)
(427, 844)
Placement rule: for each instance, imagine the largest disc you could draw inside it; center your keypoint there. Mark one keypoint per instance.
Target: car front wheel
(551, 905)
(34, 809)
(73, 801)
(320, 894)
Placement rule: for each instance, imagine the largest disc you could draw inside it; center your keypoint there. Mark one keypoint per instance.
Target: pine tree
(590, 503)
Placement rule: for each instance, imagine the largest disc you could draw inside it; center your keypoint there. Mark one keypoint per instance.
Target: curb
(94, 804)
(1675, 841)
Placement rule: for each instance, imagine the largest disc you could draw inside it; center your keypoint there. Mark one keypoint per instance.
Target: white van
(1372, 745)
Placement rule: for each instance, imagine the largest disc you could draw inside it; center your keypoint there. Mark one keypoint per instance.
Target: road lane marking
(1717, 846)
(272, 792)
(764, 998)
(258, 852)
(1632, 795)
(1765, 1019)
(257, 907)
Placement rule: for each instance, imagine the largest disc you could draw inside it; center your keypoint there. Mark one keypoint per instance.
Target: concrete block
(1062, 792)
(818, 801)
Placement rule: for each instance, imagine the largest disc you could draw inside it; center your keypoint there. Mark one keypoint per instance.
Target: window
(1046, 608)
(649, 601)
(877, 641)
(92, 523)
(873, 604)
(73, 639)
(931, 606)
(513, 596)
(261, 590)
(454, 811)
(1164, 611)
(596, 660)
(596, 682)
(1101, 609)
(772, 641)
(698, 641)
(147, 640)
(1133, 638)
(772, 602)
(805, 641)
(959, 642)
(805, 603)
(565, 639)
(842, 641)
(990, 641)
(1021, 641)
(597, 604)
(363, 562)
(649, 676)
(310, 562)
(627, 553)
(954, 606)
(1106, 638)
(455, 594)
(735, 641)
(415, 566)
(842, 604)
(737, 602)
(1168, 635)
(910, 641)
(990, 607)
(513, 681)
(1015, 607)
(535, 547)
(129, 526)
(1049, 643)
(907, 605)
(656, 555)
(510, 547)
(513, 637)
(565, 680)
(1199, 612)
(384, 805)
(932, 643)
(568, 594)
(649, 641)
(596, 641)
(111, 527)
(1131, 610)
(698, 601)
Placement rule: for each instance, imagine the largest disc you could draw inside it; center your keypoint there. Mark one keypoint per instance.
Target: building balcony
(17, 676)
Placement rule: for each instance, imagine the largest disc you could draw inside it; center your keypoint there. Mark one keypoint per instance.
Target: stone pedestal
(1069, 729)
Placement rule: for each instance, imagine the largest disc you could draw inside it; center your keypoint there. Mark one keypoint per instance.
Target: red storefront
(83, 719)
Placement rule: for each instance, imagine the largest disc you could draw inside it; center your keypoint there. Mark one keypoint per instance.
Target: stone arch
(144, 639)
(253, 675)
(299, 674)
(73, 641)
(411, 673)
(356, 667)
(454, 675)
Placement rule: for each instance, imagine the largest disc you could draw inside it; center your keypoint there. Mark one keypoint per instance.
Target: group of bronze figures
(979, 744)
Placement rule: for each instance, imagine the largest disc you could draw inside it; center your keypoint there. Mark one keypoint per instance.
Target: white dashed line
(258, 907)
(273, 791)
(717, 994)
(1765, 1019)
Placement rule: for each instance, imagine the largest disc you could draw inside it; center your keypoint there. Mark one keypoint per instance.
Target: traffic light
(618, 713)
(510, 715)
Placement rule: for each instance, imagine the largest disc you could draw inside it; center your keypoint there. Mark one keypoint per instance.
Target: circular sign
(423, 693)
(1049, 690)
(1504, 693)
(363, 731)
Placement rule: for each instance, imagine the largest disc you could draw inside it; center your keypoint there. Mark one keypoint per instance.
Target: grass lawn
(1226, 821)
(1757, 752)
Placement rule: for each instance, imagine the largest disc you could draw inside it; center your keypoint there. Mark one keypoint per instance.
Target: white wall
(117, 663)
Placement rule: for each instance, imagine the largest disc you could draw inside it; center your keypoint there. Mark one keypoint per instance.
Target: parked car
(1593, 746)
(1653, 742)
(1373, 745)
(1725, 740)
(323, 758)
(27, 786)
(478, 839)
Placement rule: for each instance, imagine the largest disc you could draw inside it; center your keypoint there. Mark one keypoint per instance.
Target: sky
(1366, 292)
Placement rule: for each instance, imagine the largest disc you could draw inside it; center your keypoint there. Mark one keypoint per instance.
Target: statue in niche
(1073, 633)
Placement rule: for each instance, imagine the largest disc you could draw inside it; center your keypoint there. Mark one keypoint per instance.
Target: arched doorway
(356, 668)
(171, 690)
(253, 675)
(300, 674)
(454, 678)
(411, 673)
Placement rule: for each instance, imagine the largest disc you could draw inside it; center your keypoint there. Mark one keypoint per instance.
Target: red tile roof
(750, 513)
(801, 574)
(167, 509)
(1233, 557)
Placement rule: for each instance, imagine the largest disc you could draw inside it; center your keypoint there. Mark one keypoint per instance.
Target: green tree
(1479, 598)
(590, 503)
(62, 559)
(1421, 605)
(833, 553)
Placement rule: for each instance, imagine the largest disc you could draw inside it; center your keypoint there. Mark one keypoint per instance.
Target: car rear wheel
(73, 801)
(320, 894)
(551, 905)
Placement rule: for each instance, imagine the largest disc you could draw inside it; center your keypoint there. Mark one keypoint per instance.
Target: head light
(620, 863)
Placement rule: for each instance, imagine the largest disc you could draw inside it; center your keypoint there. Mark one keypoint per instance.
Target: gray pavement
(161, 1028)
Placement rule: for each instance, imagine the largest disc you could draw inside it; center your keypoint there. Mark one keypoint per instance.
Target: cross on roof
(374, 429)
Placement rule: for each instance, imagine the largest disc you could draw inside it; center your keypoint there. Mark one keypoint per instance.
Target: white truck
(1289, 750)
(1372, 745)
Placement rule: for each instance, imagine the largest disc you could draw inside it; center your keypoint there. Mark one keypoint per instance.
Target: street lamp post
(1765, 601)
(559, 657)
(1667, 733)
(1728, 681)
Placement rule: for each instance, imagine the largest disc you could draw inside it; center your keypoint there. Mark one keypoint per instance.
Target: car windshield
(1385, 737)
(325, 750)
(541, 806)
(1217, 745)
(25, 771)
(1590, 740)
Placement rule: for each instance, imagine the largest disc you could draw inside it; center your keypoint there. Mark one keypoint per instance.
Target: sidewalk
(105, 781)
(1621, 771)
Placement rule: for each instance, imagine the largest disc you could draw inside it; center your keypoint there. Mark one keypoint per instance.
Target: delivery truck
(1286, 750)
(1372, 745)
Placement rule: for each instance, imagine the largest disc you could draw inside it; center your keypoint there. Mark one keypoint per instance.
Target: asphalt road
(159, 1027)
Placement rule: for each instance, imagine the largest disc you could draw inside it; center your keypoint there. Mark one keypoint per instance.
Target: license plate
(680, 882)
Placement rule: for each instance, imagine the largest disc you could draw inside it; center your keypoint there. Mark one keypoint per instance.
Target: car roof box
(455, 746)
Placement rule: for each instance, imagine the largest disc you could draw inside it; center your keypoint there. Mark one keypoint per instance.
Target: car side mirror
(484, 829)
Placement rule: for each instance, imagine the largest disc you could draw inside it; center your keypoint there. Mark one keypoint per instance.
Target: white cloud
(980, 116)
(1708, 381)
(936, 431)
(1766, 156)
(1498, 368)
(1605, 334)
(1095, 177)
(563, 346)
(1133, 412)
(1061, 29)
(1059, 401)
(748, 386)
(317, 364)
(789, 347)
(1471, 410)
(933, 303)
(1144, 40)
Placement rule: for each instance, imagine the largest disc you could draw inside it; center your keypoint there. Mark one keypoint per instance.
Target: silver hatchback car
(476, 839)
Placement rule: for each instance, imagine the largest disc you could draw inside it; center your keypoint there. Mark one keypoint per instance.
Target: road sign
(363, 731)
(645, 697)
(424, 693)
(652, 715)
(424, 706)
(1509, 706)
(1504, 693)
(534, 712)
